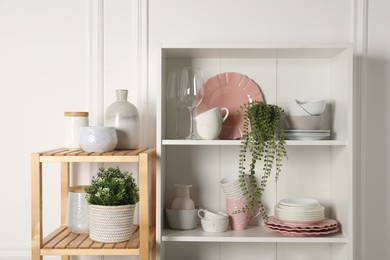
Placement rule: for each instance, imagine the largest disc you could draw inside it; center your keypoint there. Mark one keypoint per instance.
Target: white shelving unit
(322, 169)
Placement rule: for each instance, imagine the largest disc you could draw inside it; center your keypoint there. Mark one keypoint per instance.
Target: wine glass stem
(191, 121)
(177, 124)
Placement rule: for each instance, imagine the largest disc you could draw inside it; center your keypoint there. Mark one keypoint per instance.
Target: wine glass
(191, 94)
(173, 98)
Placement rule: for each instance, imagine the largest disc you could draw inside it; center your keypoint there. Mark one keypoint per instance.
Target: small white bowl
(214, 226)
(313, 107)
(98, 138)
(182, 219)
(303, 122)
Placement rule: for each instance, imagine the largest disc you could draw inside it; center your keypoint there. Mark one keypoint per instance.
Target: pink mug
(238, 216)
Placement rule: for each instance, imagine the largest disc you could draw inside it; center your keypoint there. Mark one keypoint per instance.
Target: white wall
(43, 72)
(49, 63)
(58, 56)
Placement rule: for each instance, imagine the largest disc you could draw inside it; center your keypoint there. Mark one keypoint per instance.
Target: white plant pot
(111, 224)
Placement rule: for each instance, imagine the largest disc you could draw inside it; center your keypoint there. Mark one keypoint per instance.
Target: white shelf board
(254, 51)
(250, 234)
(237, 142)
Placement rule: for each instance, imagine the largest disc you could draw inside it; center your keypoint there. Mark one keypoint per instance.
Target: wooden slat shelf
(65, 243)
(65, 155)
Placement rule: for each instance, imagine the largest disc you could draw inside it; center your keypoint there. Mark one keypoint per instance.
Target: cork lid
(76, 113)
(77, 189)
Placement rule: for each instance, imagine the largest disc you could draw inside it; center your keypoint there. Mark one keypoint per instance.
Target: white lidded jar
(124, 116)
(73, 122)
(78, 210)
(182, 199)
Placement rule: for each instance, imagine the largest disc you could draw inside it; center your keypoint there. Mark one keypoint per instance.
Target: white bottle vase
(125, 118)
(182, 199)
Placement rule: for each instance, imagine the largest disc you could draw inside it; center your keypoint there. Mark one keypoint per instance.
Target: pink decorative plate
(230, 90)
(323, 227)
(319, 224)
(305, 232)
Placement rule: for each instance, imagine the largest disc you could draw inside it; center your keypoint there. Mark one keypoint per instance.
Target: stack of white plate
(306, 210)
(307, 134)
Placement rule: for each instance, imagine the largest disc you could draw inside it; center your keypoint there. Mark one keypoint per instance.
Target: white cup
(210, 215)
(214, 226)
(209, 123)
(232, 187)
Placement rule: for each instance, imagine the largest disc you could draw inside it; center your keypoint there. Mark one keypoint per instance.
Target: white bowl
(98, 138)
(296, 110)
(313, 107)
(182, 219)
(215, 226)
(303, 122)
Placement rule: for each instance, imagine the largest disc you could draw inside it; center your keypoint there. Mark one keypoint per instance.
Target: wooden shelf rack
(65, 243)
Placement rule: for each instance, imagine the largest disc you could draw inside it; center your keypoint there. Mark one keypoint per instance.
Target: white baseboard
(23, 252)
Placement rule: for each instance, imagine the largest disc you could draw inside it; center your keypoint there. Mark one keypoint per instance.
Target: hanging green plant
(263, 139)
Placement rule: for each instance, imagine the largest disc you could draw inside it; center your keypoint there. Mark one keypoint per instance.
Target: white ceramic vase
(182, 199)
(124, 117)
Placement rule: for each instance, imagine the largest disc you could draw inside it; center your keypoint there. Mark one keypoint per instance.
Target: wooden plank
(86, 243)
(144, 214)
(108, 245)
(36, 206)
(65, 182)
(51, 152)
(74, 152)
(54, 234)
(136, 151)
(90, 159)
(86, 252)
(52, 243)
(66, 241)
(120, 245)
(96, 245)
(117, 152)
(134, 241)
(77, 241)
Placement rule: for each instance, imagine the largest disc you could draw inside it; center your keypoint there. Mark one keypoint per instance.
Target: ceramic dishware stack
(299, 210)
(214, 222)
(300, 217)
(236, 203)
(304, 120)
(182, 213)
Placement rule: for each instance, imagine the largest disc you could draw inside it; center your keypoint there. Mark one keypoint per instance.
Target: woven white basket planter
(110, 224)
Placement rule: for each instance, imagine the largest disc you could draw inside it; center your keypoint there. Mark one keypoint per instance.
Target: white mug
(209, 123)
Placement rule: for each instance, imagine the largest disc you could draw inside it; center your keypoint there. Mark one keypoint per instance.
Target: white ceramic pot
(98, 138)
(182, 219)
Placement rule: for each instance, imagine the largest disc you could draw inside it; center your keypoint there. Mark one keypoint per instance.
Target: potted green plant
(112, 196)
(263, 140)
